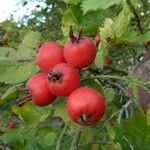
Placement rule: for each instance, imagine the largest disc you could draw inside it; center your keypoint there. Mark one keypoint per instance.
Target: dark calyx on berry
(84, 119)
(73, 38)
(55, 76)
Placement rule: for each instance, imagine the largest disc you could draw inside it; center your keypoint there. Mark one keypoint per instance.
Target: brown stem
(24, 99)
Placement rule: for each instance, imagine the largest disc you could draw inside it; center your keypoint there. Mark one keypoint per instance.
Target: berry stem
(23, 99)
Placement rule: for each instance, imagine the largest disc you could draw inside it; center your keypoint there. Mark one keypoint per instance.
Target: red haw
(38, 90)
(79, 51)
(63, 79)
(86, 106)
(49, 55)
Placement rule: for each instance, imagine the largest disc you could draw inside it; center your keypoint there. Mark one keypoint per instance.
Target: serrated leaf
(121, 23)
(32, 39)
(88, 5)
(101, 55)
(74, 17)
(31, 115)
(106, 31)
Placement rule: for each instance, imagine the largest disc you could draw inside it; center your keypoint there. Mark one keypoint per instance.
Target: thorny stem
(59, 141)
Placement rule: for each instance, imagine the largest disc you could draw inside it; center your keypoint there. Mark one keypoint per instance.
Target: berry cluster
(61, 77)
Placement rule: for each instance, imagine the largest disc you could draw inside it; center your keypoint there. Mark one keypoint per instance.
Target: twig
(105, 77)
(75, 141)
(116, 69)
(59, 141)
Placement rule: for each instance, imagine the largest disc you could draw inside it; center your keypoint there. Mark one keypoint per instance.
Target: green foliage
(89, 5)
(31, 114)
(120, 24)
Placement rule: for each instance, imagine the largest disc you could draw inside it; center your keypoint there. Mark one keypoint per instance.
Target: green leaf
(7, 52)
(74, 17)
(109, 94)
(18, 72)
(121, 23)
(137, 132)
(88, 5)
(93, 84)
(25, 52)
(72, 1)
(48, 140)
(111, 132)
(32, 39)
(11, 93)
(101, 55)
(31, 115)
(106, 31)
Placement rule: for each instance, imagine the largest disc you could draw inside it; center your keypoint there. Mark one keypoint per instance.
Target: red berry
(37, 86)
(86, 106)
(63, 79)
(80, 53)
(49, 55)
(148, 42)
(11, 125)
(97, 39)
(108, 61)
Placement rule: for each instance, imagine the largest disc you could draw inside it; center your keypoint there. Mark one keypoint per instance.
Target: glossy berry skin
(97, 39)
(108, 61)
(49, 55)
(86, 106)
(11, 125)
(80, 53)
(37, 87)
(63, 79)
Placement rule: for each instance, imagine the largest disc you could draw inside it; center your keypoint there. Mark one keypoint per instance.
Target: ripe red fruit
(86, 106)
(80, 52)
(49, 55)
(39, 92)
(63, 79)
(11, 125)
(97, 39)
(108, 61)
